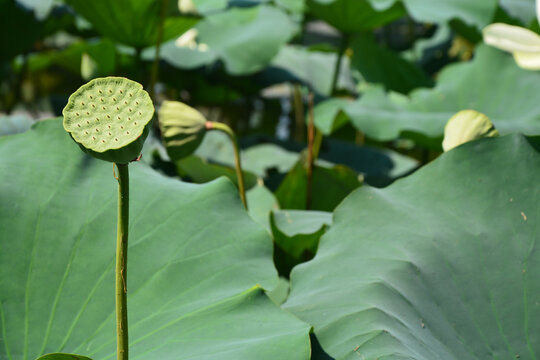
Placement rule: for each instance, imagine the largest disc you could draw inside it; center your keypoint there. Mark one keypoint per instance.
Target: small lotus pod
(109, 118)
(465, 126)
(182, 128)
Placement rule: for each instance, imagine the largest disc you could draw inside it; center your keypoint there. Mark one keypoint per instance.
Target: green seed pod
(182, 128)
(109, 118)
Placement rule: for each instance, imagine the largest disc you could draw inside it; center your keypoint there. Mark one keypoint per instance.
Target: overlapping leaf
(491, 84)
(131, 22)
(441, 265)
(245, 39)
(195, 259)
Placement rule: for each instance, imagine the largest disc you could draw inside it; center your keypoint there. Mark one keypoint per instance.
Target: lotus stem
(342, 48)
(121, 262)
(310, 152)
(211, 125)
(298, 102)
(155, 65)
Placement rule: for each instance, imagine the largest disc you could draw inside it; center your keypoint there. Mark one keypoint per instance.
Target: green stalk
(211, 125)
(342, 48)
(139, 66)
(155, 65)
(298, 112)
(121, 262)
(310, 154)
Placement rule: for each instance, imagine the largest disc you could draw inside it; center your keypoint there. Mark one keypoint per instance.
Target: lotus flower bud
(465, 126)
(182, 128)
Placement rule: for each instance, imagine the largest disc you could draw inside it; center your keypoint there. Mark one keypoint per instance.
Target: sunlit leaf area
(269, 179)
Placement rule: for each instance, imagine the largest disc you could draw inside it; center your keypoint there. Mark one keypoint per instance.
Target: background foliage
(337, 104)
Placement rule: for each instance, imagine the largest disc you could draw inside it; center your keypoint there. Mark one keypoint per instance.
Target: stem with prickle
(211, 125)
(121, 263)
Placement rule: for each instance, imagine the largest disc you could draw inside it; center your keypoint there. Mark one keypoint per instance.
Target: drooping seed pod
(109, 118)
(182, 128)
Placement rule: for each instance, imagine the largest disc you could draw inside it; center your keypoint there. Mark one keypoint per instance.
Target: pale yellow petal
(187, 7)
(526, 60)
(465, 126)
(188, 39)
(538, 10)
(511, 38)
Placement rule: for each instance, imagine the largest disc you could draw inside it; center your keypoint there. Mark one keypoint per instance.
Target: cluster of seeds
(108, 113)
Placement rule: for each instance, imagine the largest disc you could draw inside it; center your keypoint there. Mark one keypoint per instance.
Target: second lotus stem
(211, 125)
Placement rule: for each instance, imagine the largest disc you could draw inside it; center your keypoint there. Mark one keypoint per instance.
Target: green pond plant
(183, 129)
(109, 118)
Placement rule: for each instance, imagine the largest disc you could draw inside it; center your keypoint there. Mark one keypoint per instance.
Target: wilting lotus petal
(538, 10)
(522, 43)
(530, 61)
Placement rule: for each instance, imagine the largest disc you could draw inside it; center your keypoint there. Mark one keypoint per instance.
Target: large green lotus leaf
(13, 124)
(330, 185)
(102, 54)
(351, 16)
(246, 39)
(257, 159)
(443, 264)
(378, 167)
(280, 293)
(298, 231)
(522, 9)
(504, 98)
(264, 157)
(381, 65)
(478, 13)
(261, 201)
(181, 57)
(296, 236)
(328, 115)
(194, 259)
(63, 356)
(41, 8)
(131, 22)
(312, 68)
(208, 6)
(201, 171)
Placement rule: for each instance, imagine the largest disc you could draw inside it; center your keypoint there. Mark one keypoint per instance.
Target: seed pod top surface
(108, 114)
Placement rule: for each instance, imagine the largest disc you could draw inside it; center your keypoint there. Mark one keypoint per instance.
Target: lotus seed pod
(182, 128)
(109, 118)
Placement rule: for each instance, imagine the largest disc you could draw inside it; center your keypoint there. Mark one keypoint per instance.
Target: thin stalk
(121, 262)
(155, 65)
(139, 66)
(310, 153)
(211, 125)
(342, 48)
(360, 138)
(298, 102)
